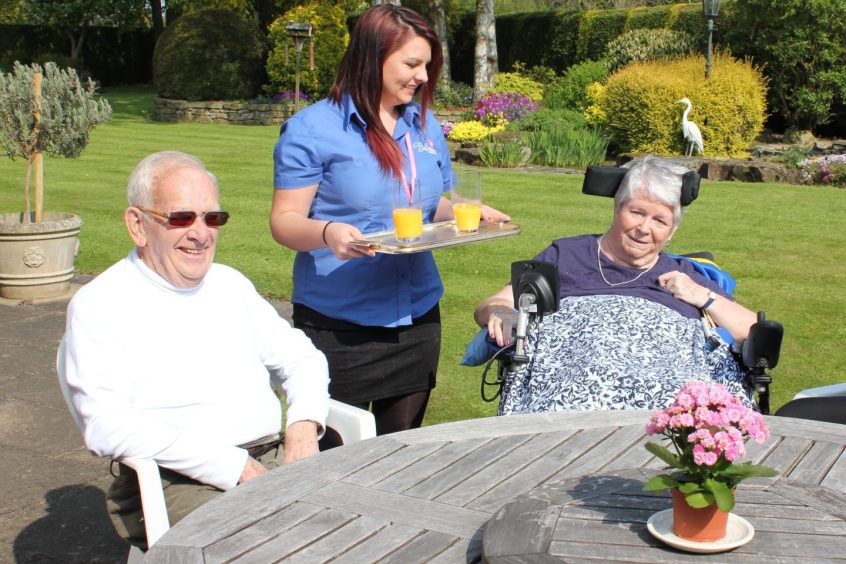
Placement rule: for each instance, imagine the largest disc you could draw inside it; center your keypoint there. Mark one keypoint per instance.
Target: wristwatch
(712, 295)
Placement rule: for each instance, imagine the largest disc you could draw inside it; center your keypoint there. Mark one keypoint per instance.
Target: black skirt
(372, 363)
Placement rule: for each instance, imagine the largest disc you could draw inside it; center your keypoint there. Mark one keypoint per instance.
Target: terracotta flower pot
(698, 525)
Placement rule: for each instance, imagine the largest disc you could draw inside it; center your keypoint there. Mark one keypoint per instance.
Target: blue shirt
(326, 144)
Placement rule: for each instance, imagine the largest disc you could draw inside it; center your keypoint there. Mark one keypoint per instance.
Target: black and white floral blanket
(615, 352)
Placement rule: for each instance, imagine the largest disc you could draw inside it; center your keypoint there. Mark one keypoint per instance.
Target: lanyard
(409, 190)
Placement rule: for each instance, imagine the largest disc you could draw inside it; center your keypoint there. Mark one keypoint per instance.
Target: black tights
(392, 414)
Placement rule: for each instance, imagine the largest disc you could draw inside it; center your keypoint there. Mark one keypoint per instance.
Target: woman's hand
(726, 313)
(683, 288)
(491, 215)
(291, 226)
(501, 324)
(338, 237)
(498, 314)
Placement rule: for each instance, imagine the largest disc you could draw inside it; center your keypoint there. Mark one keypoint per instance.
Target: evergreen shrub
(801, 44)
(637, 106)
(647, 45)
(453, 94)
(519, 84)
(330, 40)
(548, 119)
(569, 91)
(209, 55)
(472, 131)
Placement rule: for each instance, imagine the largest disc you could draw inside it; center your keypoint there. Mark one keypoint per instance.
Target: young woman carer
(374, 316)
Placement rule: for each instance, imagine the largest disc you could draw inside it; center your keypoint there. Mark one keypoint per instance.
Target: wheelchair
(535, 287)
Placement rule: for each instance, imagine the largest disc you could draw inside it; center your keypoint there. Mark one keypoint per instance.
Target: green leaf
(722, 494)
(664, 454)
(689, 487)
(661, 482)
(749, 470)
(700, 499)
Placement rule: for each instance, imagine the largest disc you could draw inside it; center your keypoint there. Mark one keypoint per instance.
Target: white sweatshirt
(183, 375)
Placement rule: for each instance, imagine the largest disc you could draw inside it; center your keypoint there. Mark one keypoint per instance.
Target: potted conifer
(42, 111)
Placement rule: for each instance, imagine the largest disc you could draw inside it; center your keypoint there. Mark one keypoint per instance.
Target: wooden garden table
(428, 494)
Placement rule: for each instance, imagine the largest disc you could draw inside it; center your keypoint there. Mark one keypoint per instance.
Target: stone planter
(36, 259)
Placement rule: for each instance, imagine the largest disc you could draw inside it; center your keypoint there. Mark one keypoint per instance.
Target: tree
(55, 121)
(486, 60)
(74, 17)
(10, 11)
(437, 14)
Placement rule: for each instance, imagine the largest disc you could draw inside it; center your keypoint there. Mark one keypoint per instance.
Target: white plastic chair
(822, 391)
(351, 423)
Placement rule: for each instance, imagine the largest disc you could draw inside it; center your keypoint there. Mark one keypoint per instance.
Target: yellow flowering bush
(594, 114)
(472, 131)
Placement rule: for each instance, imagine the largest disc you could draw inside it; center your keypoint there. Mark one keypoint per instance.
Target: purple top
(579, 274)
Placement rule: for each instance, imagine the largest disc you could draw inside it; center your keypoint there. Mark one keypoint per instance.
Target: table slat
(398, 508)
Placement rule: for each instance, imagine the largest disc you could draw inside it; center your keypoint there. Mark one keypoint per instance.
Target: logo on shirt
(428, 147)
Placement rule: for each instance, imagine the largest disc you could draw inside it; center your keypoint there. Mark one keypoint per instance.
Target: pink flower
(702, 457)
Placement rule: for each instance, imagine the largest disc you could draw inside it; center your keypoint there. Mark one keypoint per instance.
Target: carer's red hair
(382, 30)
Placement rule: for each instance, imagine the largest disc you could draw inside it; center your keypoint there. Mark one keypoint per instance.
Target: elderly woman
(629, 331)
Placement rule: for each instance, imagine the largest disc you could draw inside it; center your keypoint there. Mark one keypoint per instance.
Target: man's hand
(300, 441)
(252, 469)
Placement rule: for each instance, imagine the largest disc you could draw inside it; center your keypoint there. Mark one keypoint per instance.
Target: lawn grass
(786, 245)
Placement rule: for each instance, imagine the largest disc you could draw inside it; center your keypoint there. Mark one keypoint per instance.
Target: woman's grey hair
(659, 178)
(140, 190)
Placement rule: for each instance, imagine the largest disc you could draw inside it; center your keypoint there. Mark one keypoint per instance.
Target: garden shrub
(330, 37)
(647, 45)
(546, 118)
(472, 131)
(569, 91)
(802, 46)
(453, 94)
(518, 84)
(209, 55)
(638, 110)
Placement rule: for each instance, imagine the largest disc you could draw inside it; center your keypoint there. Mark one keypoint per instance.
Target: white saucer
(738, 532)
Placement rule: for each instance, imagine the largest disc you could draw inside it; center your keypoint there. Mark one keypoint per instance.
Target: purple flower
(290, 95)
(505, 105)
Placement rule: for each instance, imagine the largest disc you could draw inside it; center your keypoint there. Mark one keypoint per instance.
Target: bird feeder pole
(299, 32)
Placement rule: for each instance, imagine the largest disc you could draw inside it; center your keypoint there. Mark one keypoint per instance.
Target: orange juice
(467, 215)
(408, 223)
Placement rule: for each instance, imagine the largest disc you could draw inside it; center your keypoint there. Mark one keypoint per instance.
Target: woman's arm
(291, 227)
(498, 314)
(730, 315)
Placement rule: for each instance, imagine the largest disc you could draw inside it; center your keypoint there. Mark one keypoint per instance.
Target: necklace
(599, 264)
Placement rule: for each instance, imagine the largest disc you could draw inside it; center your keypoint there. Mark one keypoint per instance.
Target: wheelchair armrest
(761, 348)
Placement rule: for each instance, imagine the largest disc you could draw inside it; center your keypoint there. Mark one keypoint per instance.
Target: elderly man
(172, 357)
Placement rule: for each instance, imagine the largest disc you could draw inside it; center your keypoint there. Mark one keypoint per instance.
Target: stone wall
(235, 113)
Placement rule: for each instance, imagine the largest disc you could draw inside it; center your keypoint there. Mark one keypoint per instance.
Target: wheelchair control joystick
(535, 286)
(759, 352)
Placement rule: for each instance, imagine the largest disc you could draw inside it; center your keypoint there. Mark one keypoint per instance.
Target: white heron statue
(691, 131)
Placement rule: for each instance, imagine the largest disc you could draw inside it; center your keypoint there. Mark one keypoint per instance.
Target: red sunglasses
(187, 218)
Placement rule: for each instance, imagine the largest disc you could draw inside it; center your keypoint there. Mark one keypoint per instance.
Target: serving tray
(436, 236)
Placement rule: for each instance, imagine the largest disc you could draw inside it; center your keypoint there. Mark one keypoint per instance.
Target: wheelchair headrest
(605, 180)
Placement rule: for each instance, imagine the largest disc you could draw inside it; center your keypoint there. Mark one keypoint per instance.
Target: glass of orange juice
(466, 199)
(408, 211)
